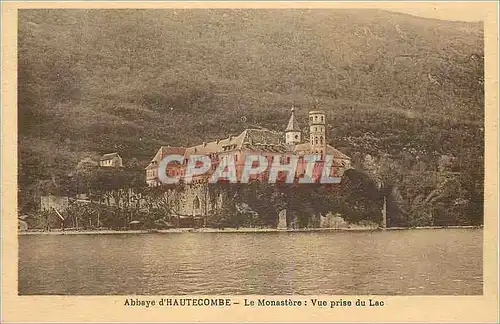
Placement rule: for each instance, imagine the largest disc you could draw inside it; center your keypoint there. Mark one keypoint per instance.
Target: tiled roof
(251, 137)
(165, 150)
(162, 152)
(262, 136)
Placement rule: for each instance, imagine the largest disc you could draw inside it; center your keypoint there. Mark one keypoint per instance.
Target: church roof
(162, 152)
(292, 124)
(258, 140)
(206, 148)
(166, 150)
(262, 140)
(252, 138)
(262, 136)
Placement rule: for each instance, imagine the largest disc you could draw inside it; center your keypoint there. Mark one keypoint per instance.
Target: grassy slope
(91, 82)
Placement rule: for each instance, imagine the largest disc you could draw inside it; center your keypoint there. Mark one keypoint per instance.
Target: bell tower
(292, 131)
(317, 131)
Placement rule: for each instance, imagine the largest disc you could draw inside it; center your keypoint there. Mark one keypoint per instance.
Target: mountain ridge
(97, 81)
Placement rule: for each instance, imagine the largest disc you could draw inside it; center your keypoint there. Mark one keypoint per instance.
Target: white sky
(455, 12)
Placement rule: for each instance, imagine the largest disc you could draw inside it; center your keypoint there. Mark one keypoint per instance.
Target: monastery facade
(194, 200)
(258, 141)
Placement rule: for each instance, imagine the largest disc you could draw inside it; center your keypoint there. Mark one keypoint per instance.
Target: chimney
(204, 144)
(217, 141)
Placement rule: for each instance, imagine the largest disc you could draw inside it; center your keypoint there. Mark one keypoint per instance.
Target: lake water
(401, 262)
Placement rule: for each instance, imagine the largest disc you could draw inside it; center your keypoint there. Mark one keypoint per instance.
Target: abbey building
(265, 142)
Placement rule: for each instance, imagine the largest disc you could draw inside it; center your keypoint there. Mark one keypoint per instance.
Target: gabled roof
(166, 150)
(249, 137)
(162, 152)
(207, 147)
(262, 140)
(109, 156)
(252, 139)
(255, 136)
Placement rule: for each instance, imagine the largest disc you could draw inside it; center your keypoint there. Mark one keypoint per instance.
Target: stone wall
(198, 200)
(189, 200)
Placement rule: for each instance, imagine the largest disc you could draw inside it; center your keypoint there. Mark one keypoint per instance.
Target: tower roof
(293, 126)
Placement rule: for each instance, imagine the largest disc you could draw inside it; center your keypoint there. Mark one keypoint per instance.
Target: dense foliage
(406, 91)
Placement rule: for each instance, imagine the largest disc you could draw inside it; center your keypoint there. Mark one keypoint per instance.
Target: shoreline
(237, 230)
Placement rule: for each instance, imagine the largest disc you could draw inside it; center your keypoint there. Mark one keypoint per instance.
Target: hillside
(95, 81)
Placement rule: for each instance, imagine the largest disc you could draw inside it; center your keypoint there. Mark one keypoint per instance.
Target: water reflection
(414, 262)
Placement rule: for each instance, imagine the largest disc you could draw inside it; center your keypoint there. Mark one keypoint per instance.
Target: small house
(111, 160)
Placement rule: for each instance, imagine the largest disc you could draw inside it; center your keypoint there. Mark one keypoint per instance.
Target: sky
(455, 12)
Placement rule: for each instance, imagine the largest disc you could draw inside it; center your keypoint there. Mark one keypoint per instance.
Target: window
(311, 119)
(296, 136)
(322, 118)
(196, 203)
(321, 140)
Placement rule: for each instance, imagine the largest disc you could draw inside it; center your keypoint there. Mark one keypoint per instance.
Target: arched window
(322, 118)
(321, 140)
(196, 203)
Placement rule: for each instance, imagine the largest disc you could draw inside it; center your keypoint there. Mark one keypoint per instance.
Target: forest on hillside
(404, 96)
(117, 198)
